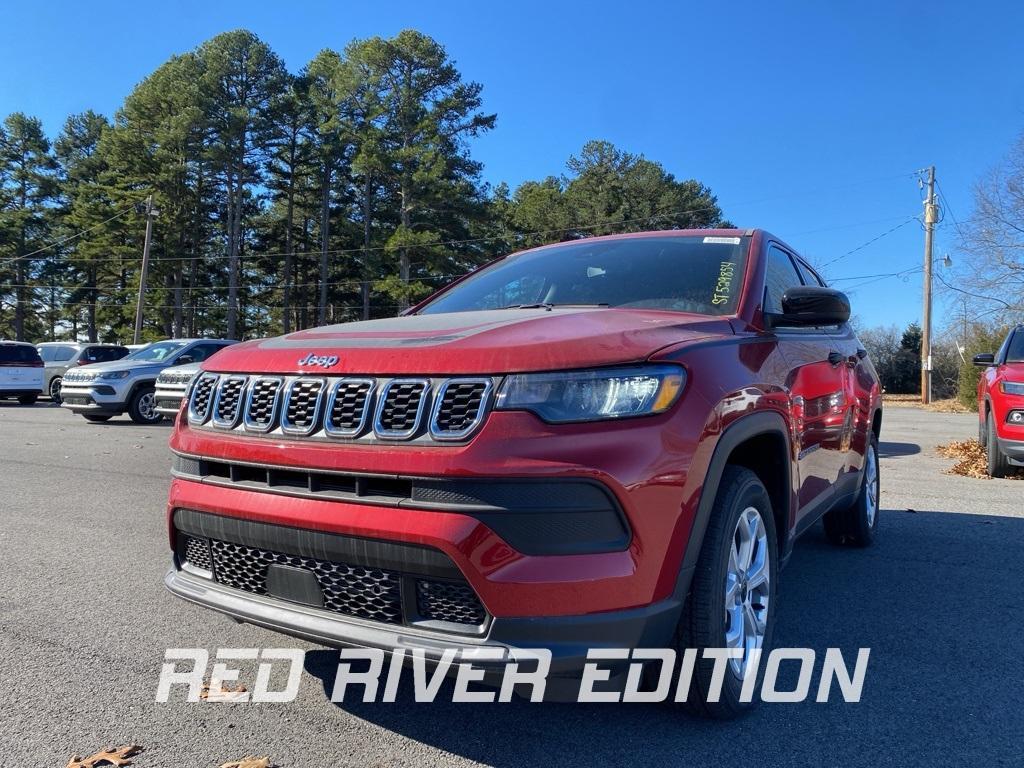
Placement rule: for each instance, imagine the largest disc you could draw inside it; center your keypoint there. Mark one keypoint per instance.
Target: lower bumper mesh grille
(360, 591)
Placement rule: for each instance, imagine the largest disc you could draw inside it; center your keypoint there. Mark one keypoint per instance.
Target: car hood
(122, 365)
(496, 341)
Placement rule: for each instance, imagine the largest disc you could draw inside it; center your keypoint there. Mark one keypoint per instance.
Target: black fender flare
(747, 427)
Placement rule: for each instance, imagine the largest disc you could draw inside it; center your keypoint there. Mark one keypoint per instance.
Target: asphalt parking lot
(85, 621)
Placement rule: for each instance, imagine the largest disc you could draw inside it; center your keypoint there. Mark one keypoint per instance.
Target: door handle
(834, 358)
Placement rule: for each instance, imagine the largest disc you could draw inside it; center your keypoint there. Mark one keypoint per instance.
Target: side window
(780, 275)
(808, 275)
(201, 352)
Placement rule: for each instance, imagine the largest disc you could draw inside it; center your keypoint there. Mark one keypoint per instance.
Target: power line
(875, 239)
(69, 238)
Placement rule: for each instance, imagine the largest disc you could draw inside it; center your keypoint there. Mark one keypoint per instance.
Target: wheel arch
(747, 442)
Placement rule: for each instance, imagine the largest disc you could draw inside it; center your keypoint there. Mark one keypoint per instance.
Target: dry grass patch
(951, 405)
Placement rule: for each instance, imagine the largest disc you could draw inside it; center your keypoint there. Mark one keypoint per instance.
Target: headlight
(114, 375)
(611, 393)
(1012, 387)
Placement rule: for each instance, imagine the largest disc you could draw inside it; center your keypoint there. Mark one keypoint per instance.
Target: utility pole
(930, 217)
(150, 213)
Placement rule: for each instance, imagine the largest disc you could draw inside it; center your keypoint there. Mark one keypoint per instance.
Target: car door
(818, 383)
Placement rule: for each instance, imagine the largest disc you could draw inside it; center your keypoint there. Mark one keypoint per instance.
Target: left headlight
(1012, 387)
(610, 393)
(114, 375)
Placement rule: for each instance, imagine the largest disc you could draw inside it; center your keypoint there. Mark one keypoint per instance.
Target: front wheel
(858, 523)
(55, 383)
(732, 596)
(142, 408)
(998, 464)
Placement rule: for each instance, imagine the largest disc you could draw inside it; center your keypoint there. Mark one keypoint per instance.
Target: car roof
(19, 343)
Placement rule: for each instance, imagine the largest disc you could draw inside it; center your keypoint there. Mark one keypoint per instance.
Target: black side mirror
(810, 305)
(985, 359)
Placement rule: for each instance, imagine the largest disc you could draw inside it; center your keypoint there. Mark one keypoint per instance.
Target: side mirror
(810, 305)
(985, 359)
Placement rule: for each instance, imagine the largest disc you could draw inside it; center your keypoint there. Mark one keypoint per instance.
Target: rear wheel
(28, 399)
(142, 407)
(97, 417)
(55, 383)
(732, 596)
(998, 464)
(857, 524)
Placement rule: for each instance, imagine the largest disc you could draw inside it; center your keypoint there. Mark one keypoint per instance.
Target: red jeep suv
(611, 442)
(1001, 404)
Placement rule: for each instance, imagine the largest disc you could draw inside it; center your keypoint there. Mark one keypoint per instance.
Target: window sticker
(723, 240)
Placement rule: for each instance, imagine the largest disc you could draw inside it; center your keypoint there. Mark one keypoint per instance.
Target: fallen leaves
(971, 459)
(249, 762)
(216, 690)
(108, 756)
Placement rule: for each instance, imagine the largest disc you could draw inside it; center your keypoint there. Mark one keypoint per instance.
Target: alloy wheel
(747, 588)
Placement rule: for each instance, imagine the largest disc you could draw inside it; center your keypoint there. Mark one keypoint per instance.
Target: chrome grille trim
(385, 433)
(203, 390)
(436, 431)
(287, 426)
(229, 382)
(333, 429)
(255, 425)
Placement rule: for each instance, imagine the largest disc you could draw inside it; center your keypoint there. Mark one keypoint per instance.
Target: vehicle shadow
(890, 450)
(919, 599)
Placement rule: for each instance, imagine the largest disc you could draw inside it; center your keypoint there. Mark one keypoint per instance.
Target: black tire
(704, 623)
(856, 525)
(97, 417)
(55, 384)
(28, 399)
(141, 407)
(998, 464)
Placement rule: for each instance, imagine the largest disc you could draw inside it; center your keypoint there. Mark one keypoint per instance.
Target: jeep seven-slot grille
(460, 407)
(347, 407)
(261, 409)
(401, 407)
(202, 396)
(227, 403)
(302, 405)
(364, 592)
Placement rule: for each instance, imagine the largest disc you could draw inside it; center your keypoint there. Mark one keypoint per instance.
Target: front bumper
(567, 637)
(92, 398)
(1013, 450)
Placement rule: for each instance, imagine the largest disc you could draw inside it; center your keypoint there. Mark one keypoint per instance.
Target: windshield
(156, 353)
(702, 275)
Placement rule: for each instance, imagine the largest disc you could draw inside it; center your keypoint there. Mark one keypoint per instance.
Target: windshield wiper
(549, 306)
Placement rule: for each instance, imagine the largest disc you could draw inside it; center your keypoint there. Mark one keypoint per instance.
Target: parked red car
(612, 442)
(1001, 404)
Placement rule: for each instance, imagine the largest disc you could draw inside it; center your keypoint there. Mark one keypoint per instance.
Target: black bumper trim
(549, 516)
(302, 542)
(1013, 449)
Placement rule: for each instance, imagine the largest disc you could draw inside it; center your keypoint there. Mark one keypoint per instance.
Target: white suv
(104, 390)
(21, 372)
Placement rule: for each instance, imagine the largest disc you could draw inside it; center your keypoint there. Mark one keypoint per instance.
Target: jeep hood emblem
(321, 361)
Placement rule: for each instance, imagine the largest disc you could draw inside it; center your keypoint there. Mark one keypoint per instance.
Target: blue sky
(805, 118)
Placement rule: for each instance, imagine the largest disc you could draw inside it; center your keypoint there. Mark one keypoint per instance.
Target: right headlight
(603, 393)
(1012, 387)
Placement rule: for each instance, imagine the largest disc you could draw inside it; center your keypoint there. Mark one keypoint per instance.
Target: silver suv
(61, 356)
(171, 386)
(104, 390)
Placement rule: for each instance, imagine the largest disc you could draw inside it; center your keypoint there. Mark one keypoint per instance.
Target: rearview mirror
(184, 360)
(985, 359)
(810, 305)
